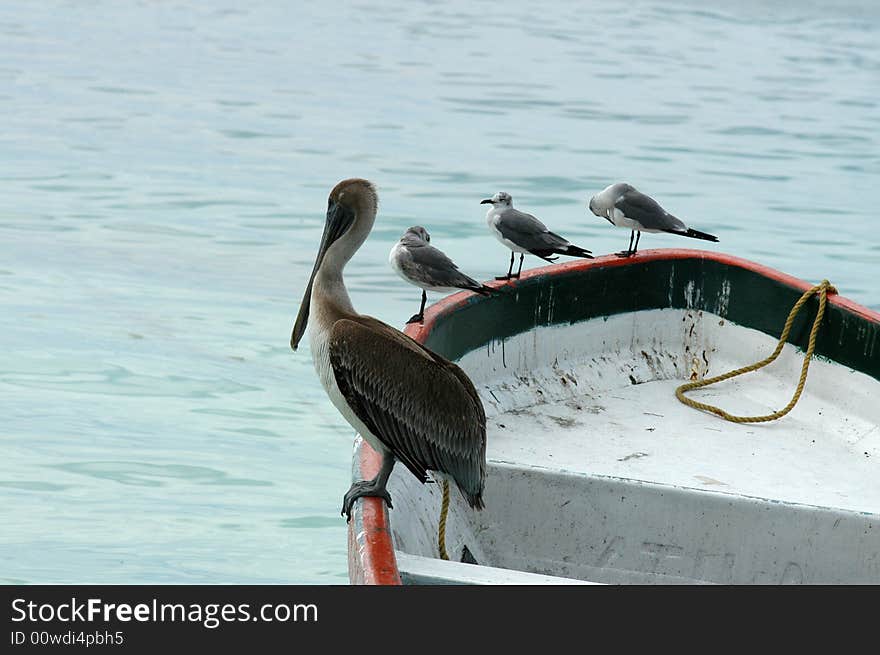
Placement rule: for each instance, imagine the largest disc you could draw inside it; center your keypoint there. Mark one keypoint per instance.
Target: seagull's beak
(339, 219)
(487, 201)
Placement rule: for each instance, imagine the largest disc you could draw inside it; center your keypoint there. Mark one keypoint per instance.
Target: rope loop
(444, 512)
(823, 289)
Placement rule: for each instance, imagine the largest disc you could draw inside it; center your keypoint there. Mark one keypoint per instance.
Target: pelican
(523, 233)
(409, 403)
(622, 205)
(421, 264)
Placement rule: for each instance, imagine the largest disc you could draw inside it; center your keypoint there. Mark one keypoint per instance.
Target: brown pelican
(622, 205)
(409, 403)
(421, 264)
(523, 233)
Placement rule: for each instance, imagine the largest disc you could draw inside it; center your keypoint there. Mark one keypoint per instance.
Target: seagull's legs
(509, 270)
(420, 317)
(374, 487)
(629, 252)
(522, 256)
(638, 236)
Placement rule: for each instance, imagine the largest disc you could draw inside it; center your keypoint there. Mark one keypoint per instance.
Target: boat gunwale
(371, 558)
(445, 306)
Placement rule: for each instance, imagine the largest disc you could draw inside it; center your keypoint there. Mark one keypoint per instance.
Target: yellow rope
(444, 512)
(823, 290)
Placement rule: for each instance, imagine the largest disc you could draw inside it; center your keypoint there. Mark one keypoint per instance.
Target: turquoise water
(164, 170)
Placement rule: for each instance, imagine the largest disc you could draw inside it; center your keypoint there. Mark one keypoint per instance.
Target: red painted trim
(371, 559)
(376, 563)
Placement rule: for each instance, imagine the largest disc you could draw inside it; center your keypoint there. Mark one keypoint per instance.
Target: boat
(597, 474)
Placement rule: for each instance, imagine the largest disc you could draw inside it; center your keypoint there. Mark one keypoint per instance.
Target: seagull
(409, 403)
(621, 205)
(524, 233)
(421, 264)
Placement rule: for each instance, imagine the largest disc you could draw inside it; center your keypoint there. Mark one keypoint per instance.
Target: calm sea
(164, 169)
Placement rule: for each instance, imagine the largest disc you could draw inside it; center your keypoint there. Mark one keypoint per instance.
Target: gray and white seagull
(523, 233)
(421, 264)
(622, 205)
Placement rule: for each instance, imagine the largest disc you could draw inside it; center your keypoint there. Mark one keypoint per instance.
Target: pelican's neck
(329, 295)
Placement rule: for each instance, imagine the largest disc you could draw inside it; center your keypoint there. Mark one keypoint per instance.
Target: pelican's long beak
(339, 219)
(487, 201)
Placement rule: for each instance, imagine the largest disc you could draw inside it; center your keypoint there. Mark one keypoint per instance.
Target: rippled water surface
(164, 169)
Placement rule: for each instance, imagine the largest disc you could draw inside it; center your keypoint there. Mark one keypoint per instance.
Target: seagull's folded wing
(436, 269)
(647, 211)
(528, 232)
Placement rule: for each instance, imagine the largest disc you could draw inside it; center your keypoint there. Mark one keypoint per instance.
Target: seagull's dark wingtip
(576, 251)
(696, 234)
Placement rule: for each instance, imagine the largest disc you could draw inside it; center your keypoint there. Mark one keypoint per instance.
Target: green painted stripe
(570, 297)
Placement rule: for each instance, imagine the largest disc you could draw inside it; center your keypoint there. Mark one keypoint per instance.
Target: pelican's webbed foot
(364, 488)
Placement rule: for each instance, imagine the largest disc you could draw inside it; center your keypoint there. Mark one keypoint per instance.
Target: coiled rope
(823, 289)
(444, 512)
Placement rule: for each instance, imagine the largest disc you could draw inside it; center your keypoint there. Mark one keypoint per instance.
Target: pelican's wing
(422, 407)
(647, 211)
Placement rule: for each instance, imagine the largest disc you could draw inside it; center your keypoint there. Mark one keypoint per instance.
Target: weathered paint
(564, 294)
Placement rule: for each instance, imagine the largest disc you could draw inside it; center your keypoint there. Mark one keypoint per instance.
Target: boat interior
(598, 474)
